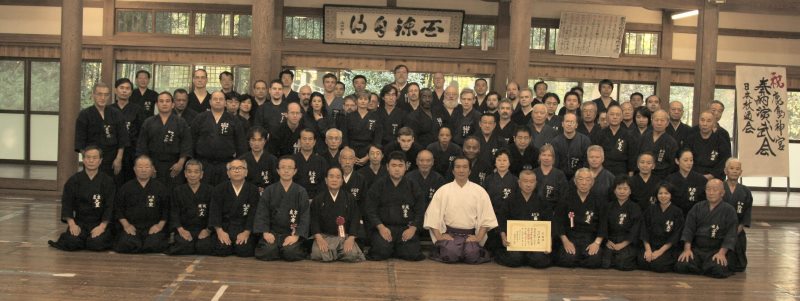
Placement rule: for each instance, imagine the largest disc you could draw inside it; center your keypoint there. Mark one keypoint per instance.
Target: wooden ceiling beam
(648, 4)
(768, 7)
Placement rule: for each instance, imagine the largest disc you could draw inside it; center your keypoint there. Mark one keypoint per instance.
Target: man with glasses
(283, 217)
(103, 126)
(231, 213)
(199, 98)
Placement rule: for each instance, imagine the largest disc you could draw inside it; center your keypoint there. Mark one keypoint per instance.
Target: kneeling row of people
(591, 233)
(222, 220)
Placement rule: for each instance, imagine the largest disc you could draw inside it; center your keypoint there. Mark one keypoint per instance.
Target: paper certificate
(529, 236)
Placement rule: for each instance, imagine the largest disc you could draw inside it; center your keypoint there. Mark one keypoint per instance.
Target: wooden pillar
(261, 41)
(501, 46)
(277, 41)
(519, 52)
(109, 63)
(107, 52)
(705, 70)
(70, 91)
(665, 74)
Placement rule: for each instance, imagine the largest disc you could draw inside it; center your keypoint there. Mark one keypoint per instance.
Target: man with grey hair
(353, 182)
(710, 149)
(231, 213)
(580, 223)
(333, 143)
(588, 121)
(103, 125)
(450, 105)
(716, 107)
(663, 147)
(465, 121)
(541, 132)
(522, 114)
(189, 214)
(603, 179)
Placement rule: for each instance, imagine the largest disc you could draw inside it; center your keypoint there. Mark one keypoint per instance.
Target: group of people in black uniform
(283, 174)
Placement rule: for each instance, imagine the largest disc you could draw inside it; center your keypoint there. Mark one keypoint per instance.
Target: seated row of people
(589, 229)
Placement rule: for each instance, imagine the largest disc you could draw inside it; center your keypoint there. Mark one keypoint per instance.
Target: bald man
(438, 89)
(740, 197)
(541, 132)
(424, 176)
(285, 137)
(710, 149)
(512, 92)
(663, 147)
(709, 235)
(450, 107)
(305, 96)
(677, 129)
(218, 137)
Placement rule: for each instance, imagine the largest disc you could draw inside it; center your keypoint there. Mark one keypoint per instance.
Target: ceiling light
(685, 14)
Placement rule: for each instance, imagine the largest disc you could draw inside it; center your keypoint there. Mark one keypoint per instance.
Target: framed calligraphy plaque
(587, 34)
(393, 26)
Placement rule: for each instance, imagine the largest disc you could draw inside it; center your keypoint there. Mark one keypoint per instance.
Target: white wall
(319, 3)
(750, 21)
(784, 52)
(794, 172)
(46, 20)
(30, 19)
(92, 21)
(469, 7)
(684, 46)
(240, 2)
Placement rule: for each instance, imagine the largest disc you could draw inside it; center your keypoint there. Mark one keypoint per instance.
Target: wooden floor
(30, 270)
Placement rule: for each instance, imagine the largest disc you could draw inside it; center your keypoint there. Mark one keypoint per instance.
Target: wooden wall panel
(386, 64)
(44, 52)
(163, 56)
(593, 73)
